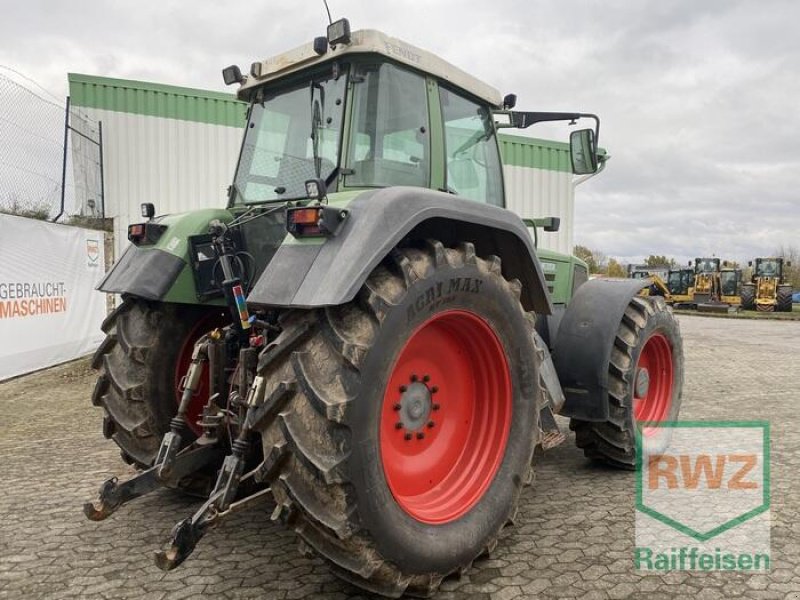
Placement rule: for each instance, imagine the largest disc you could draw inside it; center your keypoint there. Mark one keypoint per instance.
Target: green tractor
(365, 335)
(768, 289)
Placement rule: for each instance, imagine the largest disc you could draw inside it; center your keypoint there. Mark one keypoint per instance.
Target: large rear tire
(748, 296)
(784, 301)
(407, 420)
(645, 381)
(140, 363)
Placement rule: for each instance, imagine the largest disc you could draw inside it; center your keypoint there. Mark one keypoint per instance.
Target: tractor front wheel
(645, 379)
(406, 420)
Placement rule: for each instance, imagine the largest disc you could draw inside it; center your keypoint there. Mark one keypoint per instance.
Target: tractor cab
(361, 111)
(364, 110)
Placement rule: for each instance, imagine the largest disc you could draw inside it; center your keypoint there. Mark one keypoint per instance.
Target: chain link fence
(51, 165)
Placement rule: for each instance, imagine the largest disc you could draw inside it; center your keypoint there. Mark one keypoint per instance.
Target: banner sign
(49, 310)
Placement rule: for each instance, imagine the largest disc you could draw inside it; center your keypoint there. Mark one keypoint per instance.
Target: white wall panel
(535, 193)
(175, 164)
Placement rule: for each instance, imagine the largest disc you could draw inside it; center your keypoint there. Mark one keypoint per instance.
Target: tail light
(142, 234)
(310, 221)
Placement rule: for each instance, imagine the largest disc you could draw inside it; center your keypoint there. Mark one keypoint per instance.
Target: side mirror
(583, 152)
(749, 263)
(232, 74)
(509, 101)
(549, 224)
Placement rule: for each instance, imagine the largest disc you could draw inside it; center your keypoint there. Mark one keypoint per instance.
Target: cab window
(390, 140)
(472, 157)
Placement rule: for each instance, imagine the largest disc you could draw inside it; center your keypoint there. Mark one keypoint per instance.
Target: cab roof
(368, 41)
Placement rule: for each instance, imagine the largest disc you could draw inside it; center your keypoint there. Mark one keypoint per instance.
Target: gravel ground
(574, 536)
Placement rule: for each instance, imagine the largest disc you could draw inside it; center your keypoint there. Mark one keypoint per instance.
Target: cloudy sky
(697, 98)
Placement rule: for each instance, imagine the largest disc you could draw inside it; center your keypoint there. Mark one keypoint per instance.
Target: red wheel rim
(653, 381)
(445, 417)
(204, 325)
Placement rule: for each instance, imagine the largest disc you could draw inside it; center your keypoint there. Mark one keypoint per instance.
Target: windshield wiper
(316, 125)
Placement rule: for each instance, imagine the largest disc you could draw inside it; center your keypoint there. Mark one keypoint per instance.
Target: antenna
(330, 20)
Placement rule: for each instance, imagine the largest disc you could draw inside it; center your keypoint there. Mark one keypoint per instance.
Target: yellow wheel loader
(768, 289)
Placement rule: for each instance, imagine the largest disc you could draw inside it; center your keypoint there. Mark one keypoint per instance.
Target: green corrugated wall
(520, 151)
(156, 100)
(217, 108)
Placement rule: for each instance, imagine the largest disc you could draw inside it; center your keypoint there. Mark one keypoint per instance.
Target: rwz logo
(703, 501)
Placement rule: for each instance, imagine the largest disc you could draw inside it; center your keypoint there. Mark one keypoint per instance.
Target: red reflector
(305, 216)
(135, 231)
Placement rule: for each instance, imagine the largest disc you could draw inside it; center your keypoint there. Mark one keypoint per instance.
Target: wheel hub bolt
(414, 378)
(434, 389)
(408, 436)
(426, 378)
(398, 406)
(431, 424)
(398, 425)
(420, 435)
(403, 388)
(435, 406)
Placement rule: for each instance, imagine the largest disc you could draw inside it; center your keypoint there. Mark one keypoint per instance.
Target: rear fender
(584, 342)
(162, 271)
(315, 272)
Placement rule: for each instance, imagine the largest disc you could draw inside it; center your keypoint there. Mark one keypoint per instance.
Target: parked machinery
(730, 279)
(655, 276)
(680, 283)
(707, 288)
(644, 271)
(768, 290)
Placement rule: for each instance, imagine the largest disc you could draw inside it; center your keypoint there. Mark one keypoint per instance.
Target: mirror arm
(523, 120)
(531, 224)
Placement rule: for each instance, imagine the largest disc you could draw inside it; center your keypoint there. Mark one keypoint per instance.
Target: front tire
(645, 384)
(407, 420)
(784, 299)
(748, 296)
